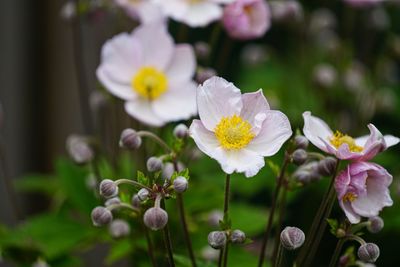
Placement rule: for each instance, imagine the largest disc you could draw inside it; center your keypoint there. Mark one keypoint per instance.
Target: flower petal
(156, 44)
(182, 66)
(141, 110)
(242, 161)
(316, 129)
(216, 99)
(391, 140)
(254, 104)
(353, 217)
(204, 139)
(177, 103)
(274, 133)
(201, 14)
(114, 86)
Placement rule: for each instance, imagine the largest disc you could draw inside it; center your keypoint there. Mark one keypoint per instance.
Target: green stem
(336, 254)
(155, 138)
(167, 241)
(224, 252)
(150, 247)
(272, 211)
(282, 205)
(278, 260)
(131, 182)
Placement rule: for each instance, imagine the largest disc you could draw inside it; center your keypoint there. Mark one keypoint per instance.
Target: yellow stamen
(149, 83)
(233, 132)
(339, 139)
(350, 197)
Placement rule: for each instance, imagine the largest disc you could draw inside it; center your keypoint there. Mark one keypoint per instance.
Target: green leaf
(274, 167)
(119, 250)
(141, 178)
(334, 224)
(37, 184)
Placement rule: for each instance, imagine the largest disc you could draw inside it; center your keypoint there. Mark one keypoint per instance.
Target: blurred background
(339, 61)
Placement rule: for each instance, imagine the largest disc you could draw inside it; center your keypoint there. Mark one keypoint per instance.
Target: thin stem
(155, 138)
(150, 247)
(336, 254)
(356, 238)
(188, 242)
(225, 255)
(131, 182)
(282, 205)
(123, 205)
(167, 241)
(224, 252)
(272, 211)
(278, 260)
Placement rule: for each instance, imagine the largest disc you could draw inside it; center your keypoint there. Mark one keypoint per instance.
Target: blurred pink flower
(343, 146)
(247, 19)
(362, 190)
(151, 73)
(146, 11)
(363, 3)
(237, 130)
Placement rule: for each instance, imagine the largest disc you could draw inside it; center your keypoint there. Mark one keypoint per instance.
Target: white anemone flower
(194, 13)
(151, 73)
(237, 130)
(143, 10)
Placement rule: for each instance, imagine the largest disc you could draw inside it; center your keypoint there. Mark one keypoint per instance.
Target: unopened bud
(307, 173)
(130, 139)
(299, 156)
(204, 74)
(101, 216)
(108, 188)
(169, 169)
(340, 233)
(155, 218)
(301, 141)
(238, 237)
(112, 201)
(214, 217)
(292, 238)
(375, 224)
(180, 184)
(368, 252)
(143, 194)
(79, 150)
(181, 131)
(136, 202)
(202, 50)
(119, 228)
(327, 166)
(217, 239)
(154, 164)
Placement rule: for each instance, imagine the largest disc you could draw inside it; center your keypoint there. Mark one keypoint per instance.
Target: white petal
(391, 140)
(156, 44)
(121, 89)
(360, 141)
(182, 66)
(254, 104)
(177, 103)
(274, 133)
(242, 161)
(173, 8)
(141, 110)
(217, 98)
(204, 139)
(316, 129)
(353, 217)
(201, 14)
(149, 12)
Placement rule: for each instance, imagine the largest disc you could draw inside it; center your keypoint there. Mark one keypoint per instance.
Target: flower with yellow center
(350, 197)
(237, 130)
(344, 146)
(151, 74)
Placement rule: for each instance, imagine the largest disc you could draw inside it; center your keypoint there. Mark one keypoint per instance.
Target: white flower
(194, 13)
(143, 10)
(151, 74)
(237, 130)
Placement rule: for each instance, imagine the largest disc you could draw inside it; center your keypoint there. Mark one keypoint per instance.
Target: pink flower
(344, 146)
(362, 190)
(247, 19)
(237, 130)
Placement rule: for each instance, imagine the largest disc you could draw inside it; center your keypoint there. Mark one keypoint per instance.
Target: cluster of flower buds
(218, 239)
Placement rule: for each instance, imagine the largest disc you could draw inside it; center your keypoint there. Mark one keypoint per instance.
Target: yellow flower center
(339, 139)
(149, 83)
(233, 132)
(350, 197)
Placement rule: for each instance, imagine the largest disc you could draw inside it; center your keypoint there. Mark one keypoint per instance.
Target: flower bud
(202, 50)
(214, 217)
(307, 173)
(154, 164)
(91, 182)
(327, 166)
(181, 131)
(209, 254)
(169, 169)
(301, 141)
(112, 201)
(375, 224)
(130, 139)
(299, 156)
(79, 150)
(217, 239)
(238, 237)
(143, 194)
(204, 74)
(101, 216)
(119, 228)
(180, 184)
(136, 203)
(368, 252)
(108, 188)
(155, 218)
(292, 238)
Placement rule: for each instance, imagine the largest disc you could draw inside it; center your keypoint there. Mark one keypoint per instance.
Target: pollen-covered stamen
(149, 83)
(349, 196)
(339, 139)
(233, 132)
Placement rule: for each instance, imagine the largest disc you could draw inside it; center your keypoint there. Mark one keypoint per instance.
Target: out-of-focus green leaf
(119, 250)
(37, 184)
(249, 219)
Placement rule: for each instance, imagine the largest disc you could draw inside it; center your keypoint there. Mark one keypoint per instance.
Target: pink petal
(391, 140)
(182, 66)
(241, 161)
(141, 110)
(353, 217)
(216, 99)
(316, 130)
(201, 14)
(205, 139)
(254, 104)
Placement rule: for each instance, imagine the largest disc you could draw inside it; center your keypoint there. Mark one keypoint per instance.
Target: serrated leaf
(334, 224)
(142, 178)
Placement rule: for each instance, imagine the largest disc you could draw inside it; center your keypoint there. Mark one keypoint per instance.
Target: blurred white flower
(146, 11)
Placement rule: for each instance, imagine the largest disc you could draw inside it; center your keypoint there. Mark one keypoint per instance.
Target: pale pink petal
(205, 139)
(274, 133)
(343, 152)
(178, 103)
(182, 66)
(121, 89)
(342, 182)
(254, 104)
(173, 8)
(216, 99)
(201, 14)
(149, 12)
(316, 130)
(241, 161)
(391, 140)
(156, 44)
(141, 110)
(353, 217)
